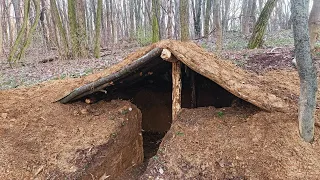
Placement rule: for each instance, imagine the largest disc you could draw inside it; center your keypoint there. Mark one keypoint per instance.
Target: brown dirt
(238, 142)
(42, 139)
(233, 143)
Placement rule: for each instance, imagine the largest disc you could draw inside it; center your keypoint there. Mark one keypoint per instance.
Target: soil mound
(239, 142)
(46, 140)
(235, 143)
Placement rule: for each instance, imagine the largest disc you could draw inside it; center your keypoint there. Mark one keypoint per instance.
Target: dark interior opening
(150, 89)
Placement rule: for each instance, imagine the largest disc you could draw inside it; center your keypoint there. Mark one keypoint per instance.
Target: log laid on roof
(245, 85)
(108, 80)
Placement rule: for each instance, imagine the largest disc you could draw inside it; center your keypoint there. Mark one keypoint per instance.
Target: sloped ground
(240, 142)
(43, 139)
(32, 70)
(46, 140)
(232, 143)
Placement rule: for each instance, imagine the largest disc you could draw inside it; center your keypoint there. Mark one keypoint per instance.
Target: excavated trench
(152, 94)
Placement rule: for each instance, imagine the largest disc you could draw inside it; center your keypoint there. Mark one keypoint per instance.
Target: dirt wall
(46, 140)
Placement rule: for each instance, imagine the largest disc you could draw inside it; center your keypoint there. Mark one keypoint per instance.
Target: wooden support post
(193, 90)
(176, 89)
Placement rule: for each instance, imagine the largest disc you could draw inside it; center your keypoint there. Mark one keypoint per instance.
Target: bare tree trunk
(306, 69)
(217, 23)
(155, 22)
(170, 17)
(4, 23)
(260, 27)
(226, 15)
(19, 47)
(314, 23)
(43, 25)
(253, 15)
(81, 29)
(177, 24)
(17, 13)
(197, 18)
(184, 19)
(207, 18)
(98, 30)
(62, 31)
(132, 19)
(244, 17)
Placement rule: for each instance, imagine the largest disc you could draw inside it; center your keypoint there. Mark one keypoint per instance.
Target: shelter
(193, 76)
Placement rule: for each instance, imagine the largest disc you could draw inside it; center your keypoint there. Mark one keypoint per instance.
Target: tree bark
(184, 19)
(170, 17)
(261, 25)
(44, 27)
(217, 23)
(207, 18)
(62, 31)
(155, 21)
(176, 89)
(314, 23)
(32, 29)
(14, 49)
(98, 30)
(17, 13)
(73, 29)
(81, 29)
(306, 69)
(226, 15)
(197, 18)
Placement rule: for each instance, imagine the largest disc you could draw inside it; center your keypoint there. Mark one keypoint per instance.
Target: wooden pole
(193, 90)
(176, 89)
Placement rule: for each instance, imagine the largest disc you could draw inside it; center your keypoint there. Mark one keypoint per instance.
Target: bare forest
(159, 89)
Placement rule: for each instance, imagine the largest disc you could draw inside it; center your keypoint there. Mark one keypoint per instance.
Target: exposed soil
(41, 139)
(235, 143)
(46, 140)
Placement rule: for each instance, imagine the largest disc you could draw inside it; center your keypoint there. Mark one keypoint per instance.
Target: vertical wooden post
(176, 89)
(193, 90)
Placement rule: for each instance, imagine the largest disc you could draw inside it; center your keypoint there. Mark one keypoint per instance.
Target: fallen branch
(104, 82)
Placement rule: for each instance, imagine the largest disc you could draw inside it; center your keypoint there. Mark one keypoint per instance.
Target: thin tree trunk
(98, 30)
(14, 49)
(260, 27)
(32, 30)
(155, 22)
(226, 15)
(73, 28)
(306, 69)
(170, 16)
(207, 18)
(217, 23)
(62, 30)
(184, 19)
(81, 29)
(314, 23)
(43, 25)
(17, 13)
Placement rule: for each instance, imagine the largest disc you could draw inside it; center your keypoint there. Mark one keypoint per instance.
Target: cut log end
(167, 56)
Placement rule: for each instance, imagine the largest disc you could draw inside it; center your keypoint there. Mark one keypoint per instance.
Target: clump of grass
(179, 133)
(220, 114)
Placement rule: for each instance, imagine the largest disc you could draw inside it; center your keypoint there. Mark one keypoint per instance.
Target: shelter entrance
(151, 92)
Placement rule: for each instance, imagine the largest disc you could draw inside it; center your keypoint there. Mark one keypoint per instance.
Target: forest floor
(33, 69)
(240, 142)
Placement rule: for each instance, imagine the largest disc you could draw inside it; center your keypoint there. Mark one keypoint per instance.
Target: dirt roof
(245, 85)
